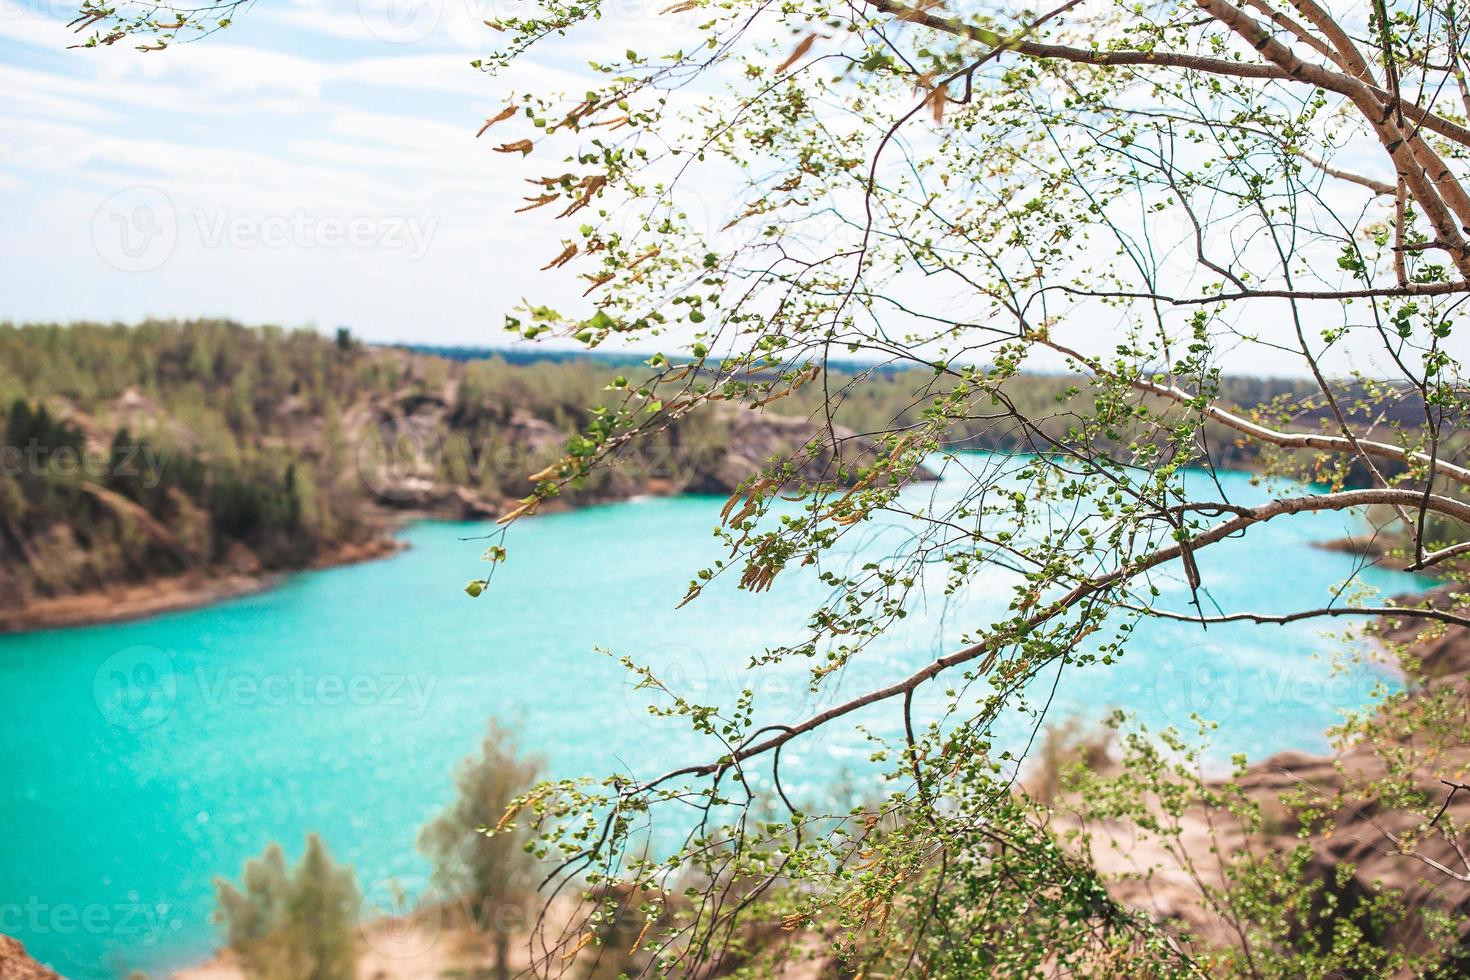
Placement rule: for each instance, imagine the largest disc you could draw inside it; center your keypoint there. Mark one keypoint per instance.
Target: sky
(313, 165)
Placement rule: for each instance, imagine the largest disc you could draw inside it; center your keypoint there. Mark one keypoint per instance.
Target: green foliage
(1122, 194)
(1283, 908)
(296, 924)
(28, 427)
(1132, 197)
(479, 850)
(468, 859)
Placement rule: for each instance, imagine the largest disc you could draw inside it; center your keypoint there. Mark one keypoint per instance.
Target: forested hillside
(166, 449)
(143, 453)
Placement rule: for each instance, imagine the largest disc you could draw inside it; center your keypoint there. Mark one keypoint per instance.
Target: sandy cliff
(16, 964)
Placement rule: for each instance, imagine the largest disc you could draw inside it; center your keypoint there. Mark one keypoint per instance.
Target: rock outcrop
(16, 964)
(1356, 854)
(413, 461)
(391, 453)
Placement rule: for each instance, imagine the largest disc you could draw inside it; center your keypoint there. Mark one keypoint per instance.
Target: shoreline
(205, 587)
(177, 593)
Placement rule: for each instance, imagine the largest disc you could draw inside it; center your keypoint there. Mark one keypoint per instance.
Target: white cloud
(301, 114)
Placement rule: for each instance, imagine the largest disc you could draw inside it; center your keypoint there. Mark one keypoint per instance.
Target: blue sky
(314, 165)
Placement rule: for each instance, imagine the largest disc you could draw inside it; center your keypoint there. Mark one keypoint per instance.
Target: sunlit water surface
(138, 761)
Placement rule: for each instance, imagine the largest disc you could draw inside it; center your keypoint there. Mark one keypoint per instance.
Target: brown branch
(1432, 165)
(1348, 54)
(1373, 184)
(1442, 179)
(1443, 554)
(1332, 81)
(1296, 28)
(1266, 619)
(1456, 68)
(1454, 788)
(1400, 260)
(1286, 440)
(1386, 292)
(1345, 500)
(1405, 157)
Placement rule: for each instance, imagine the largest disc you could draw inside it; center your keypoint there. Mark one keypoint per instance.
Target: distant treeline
(611, 360)
(524, 355)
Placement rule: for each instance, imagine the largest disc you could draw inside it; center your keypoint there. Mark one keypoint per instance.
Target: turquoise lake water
(138, 761)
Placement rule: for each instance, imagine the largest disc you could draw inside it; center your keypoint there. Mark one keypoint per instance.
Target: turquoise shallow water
(140, 760)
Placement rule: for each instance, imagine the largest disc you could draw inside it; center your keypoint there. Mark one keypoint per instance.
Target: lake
(140, 760)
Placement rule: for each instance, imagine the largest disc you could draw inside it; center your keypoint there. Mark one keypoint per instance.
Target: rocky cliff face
(15, 964)
(88, 546)
(427, 460)
(1366, 846)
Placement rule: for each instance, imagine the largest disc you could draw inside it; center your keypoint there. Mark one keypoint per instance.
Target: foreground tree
(479, 854)
(297, 924)
(1143, 195)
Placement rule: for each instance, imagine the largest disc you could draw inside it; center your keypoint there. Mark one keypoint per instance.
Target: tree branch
(1286, 440)
(1345, 500)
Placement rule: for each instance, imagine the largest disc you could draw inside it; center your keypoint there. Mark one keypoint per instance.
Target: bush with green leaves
(479, 850)
(1135, 197)
(292, 923)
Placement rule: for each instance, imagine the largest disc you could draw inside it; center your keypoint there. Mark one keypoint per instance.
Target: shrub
(296, 925)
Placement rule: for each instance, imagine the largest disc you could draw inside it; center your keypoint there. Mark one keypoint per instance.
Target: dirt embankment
(1385, 848)
(170, 593)
(16, 963)
(408, 478)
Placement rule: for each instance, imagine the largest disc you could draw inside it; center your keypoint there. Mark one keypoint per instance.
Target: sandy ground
(380, 958)
(429, 946)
